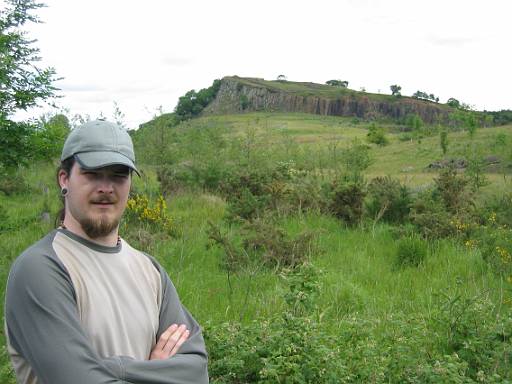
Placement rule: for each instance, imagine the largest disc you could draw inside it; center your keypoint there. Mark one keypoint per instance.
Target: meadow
(371, 298)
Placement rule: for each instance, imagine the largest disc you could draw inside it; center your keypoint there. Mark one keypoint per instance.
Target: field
(446, 318)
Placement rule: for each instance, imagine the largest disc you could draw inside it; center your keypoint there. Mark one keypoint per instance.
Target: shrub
(246, 205)
(376, 135)
(452, 188)
(152, 216)
(495, 244)
(205, 175)
(499, 208)
(411, 251)
(388, 199)
(346, 201)
(430, 217)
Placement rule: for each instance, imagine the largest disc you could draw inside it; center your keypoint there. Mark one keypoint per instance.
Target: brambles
(292, 348)
(472, 343)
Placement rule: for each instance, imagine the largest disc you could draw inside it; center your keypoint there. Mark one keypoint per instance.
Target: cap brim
(100, 159)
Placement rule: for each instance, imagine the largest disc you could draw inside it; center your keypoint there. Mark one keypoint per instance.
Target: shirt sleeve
(44, 328)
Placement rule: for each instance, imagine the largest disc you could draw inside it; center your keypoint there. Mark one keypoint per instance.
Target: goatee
(99, 227)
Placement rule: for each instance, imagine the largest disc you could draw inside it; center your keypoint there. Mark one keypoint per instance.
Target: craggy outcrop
(247, 94)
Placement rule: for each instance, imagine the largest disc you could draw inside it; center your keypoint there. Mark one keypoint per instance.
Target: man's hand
(169, 343)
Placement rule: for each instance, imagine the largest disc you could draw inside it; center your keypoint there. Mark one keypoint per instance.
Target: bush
(346, 201)
(430, 217)
(376, 135)
(495, 244)
(499, 208)
(411, 251)
(388, 199)
(452, 188)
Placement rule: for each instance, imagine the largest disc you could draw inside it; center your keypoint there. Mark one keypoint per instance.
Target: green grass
(360, 278)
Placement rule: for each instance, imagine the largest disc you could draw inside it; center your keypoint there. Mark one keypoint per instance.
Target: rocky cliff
(248, 94)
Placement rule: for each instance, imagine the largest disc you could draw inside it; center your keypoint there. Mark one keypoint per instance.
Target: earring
(64, 191)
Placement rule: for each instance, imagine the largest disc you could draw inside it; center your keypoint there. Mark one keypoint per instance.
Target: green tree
(49, 136)
(452, 102)
(22, 83)
(337, 83)
(395, 90)
(192, 103)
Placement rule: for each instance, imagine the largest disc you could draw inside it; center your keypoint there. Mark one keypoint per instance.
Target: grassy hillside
(366, 317)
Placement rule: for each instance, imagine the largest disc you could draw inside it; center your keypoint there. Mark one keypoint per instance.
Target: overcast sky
(145, 54)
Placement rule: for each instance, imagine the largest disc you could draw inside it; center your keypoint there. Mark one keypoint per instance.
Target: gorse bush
(495, 244)
(411, 251)
(346, 200)
(453, 190)
(388, 199)
(430, 217)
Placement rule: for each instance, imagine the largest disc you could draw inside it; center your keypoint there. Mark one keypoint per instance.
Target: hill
(237, 94)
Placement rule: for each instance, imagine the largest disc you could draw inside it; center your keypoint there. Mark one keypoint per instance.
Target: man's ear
(63, 178)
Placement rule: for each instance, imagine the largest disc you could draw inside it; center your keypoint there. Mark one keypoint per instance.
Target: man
(82, 306)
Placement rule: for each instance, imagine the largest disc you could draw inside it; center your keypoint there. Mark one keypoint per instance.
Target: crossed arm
(44, 328)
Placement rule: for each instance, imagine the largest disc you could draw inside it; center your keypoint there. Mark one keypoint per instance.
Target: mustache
(104, 199)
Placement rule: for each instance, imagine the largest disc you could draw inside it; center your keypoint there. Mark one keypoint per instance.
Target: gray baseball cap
(98, 144)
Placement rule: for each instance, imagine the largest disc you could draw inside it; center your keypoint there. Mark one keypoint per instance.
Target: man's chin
(95, 228)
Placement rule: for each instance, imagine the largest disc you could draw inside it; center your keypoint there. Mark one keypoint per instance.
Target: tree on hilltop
(22, 83)
(281, 78)
(395, 90)
(337, 83)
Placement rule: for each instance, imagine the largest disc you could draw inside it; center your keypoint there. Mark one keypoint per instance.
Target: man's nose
(105, 184)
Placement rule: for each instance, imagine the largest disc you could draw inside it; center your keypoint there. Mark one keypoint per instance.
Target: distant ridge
(237, 94)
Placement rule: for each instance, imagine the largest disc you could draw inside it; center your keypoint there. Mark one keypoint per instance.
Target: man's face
(97, 198)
